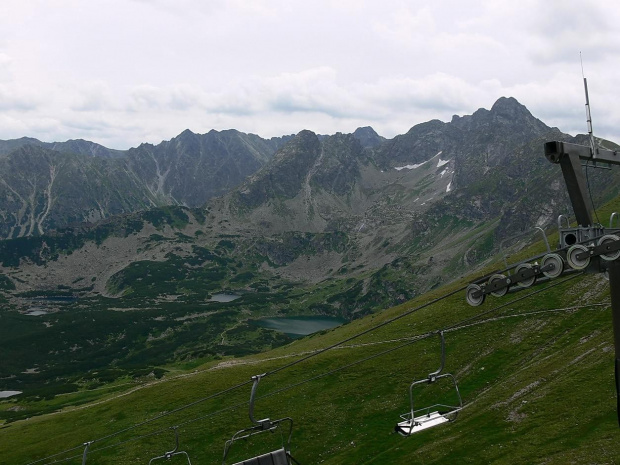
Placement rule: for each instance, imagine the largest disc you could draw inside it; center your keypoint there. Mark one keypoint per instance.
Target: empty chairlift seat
(418, 420)
(278, 457)
(423, 418)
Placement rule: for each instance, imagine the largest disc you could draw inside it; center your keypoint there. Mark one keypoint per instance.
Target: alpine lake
(299, 326)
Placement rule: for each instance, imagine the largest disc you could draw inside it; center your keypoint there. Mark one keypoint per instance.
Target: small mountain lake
(36, 312)
(223, 297)
(299, 326)
(5, 394)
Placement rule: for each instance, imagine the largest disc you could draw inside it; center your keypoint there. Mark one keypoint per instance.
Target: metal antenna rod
(588, 114)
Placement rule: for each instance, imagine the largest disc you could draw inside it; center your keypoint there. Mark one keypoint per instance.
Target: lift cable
(112, 446)
(411, 340)
(150, 420)
(374, 328)
(81, 447)
(527, 314)
(289, 365)
(240, 404)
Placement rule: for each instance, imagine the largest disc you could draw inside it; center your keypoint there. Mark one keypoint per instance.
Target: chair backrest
(277, 457)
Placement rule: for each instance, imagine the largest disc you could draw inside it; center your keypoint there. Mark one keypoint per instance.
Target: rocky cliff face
(192, 168)
(477, 166)
(42, 189)
(45, 186)
(286, 176)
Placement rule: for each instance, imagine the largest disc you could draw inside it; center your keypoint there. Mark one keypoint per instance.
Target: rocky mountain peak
(507, 115)
(186, 133)
(368, 137)
(509, 107)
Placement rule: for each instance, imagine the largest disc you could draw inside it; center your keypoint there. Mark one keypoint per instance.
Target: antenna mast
(588, 114)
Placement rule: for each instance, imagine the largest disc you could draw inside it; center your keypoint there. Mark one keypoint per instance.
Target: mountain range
(47, 186)
(442, 196)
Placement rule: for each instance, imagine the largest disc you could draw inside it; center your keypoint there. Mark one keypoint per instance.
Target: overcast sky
(122, 72)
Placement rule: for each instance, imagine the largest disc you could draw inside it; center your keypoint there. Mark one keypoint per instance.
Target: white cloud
(123, 72)
(93, 96)
(18, 99)
(562, 29)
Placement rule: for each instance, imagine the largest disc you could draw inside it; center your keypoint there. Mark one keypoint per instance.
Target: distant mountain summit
(192, 168)
(368, 137)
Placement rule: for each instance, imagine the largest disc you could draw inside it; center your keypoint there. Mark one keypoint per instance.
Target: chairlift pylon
(423, 418)
(173, 452)
(280, 456)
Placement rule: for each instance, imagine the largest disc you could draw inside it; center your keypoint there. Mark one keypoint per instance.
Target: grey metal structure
(423, 418)
(602, 249)
(280, 456)
(173, 452)
(588, 246)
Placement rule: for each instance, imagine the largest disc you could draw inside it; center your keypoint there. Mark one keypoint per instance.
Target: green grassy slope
(538, 387)
(535, 370)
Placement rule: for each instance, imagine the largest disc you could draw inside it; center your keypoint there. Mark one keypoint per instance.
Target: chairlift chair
(173, 452)
(280, 456)
(417, 420)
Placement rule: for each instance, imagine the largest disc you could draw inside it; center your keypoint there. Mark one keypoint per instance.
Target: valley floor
(535, 371)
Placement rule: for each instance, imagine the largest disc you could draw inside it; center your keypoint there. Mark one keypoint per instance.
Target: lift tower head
(569, 157)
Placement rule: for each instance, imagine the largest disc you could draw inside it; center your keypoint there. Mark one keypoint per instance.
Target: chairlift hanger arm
(432, 376)
(256, 379)
(85, 455)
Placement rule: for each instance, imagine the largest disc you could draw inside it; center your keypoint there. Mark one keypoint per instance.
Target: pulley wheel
(502, 291)
(529, 281)
(471, 300)
(573, 261)
(557, 262)
(611, 256)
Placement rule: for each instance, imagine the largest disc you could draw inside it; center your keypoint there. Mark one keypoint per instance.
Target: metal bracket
(599, 250)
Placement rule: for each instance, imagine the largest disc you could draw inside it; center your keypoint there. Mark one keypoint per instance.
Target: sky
(124, 72)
